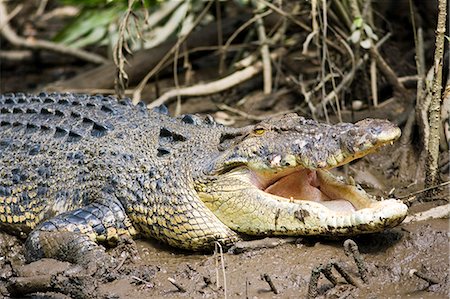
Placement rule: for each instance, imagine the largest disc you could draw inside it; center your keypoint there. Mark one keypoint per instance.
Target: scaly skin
(92, 166)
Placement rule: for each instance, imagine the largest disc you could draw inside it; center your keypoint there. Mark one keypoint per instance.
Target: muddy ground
(389, 257)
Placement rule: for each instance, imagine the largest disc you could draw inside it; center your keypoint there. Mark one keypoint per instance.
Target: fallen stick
(348, 278)
(351, 249)
(177, 285)
(216, 86)
(439, 212)
(423, 190)
(421, 275)
(313, 290)
(267, 278)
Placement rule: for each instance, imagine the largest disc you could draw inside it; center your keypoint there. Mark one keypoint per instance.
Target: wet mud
(390, 258)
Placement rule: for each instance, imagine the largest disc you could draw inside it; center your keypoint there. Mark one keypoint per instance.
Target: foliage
(151, 21)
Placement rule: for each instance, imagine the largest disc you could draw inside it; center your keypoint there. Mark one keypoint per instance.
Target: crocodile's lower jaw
(298, 202)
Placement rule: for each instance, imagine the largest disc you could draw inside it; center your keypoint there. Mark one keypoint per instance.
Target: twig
(41, 8)
(16, 55)
(422, 98)
(9, 34)
(137, 92)
(348, 278)
(351, 249)
(439, 212)
(176, 81)
(241, 28)
(344, 83)
(428, 279)
(148, 284)
(421, 106)
(219, 250)
(177, 285)
(390, 75)
(445, 116)
(215, 86)
(313, 281)
(203, 39)
(405, 139)
(246, 287)
(423, 190)
(373, 82)
(431, 170)
(162, 33)
(285, 14)
(315, 28)
(313, 290)
(11, 15)
(65, 11)
(407, 79)
(324, 60)
(267, 278)
(265, 54)
(329, 274)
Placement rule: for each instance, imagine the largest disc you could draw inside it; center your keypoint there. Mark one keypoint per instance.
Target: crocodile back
(58, 150)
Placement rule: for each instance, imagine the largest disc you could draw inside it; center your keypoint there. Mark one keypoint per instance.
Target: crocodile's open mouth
(291, 191)
(297, 201)
(319, 186)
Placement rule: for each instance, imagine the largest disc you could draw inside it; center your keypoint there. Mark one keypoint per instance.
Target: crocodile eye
(259, 131)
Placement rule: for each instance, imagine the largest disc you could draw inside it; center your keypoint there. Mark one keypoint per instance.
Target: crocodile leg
(72, 236)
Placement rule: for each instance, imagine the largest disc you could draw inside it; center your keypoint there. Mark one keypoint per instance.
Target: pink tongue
(300, 185)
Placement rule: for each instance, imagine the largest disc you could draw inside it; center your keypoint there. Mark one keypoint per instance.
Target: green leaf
(94, 36)
(357, 22)
(85, 23)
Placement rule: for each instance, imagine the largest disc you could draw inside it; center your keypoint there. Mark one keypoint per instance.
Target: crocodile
(81, 171)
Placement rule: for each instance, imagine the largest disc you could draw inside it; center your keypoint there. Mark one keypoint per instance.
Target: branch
(439, 212)
(18, 41)
(216, 86)
(431, 171)
(265, 53)
(389, 74)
